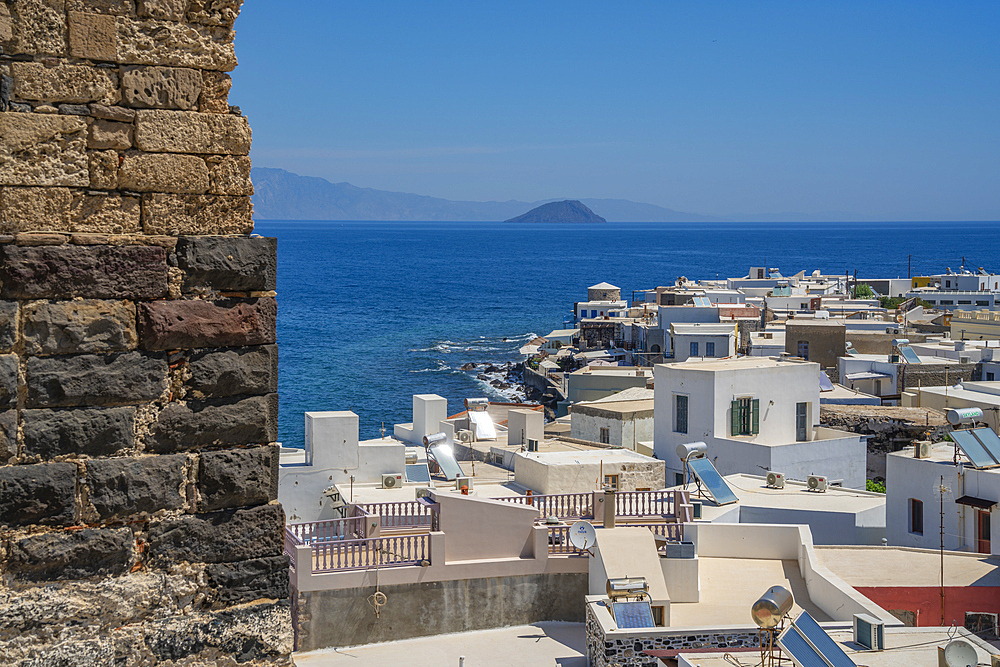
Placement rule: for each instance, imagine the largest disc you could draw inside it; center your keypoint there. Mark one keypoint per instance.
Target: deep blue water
(370, 313)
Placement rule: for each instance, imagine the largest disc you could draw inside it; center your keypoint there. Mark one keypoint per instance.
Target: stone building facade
(138, 365)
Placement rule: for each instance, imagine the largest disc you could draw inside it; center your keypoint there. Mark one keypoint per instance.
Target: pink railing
(377, 552)
(330, 530)
(672, 531)
(644, 503)
(559, 542)
(402, 514)
(562, 505)
(290, 543)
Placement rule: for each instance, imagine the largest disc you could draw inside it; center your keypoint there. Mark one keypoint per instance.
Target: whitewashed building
(755, 414)
(703, 340)
(624, 419)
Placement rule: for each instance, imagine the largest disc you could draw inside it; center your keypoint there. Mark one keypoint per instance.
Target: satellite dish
(582, 535)
(960, 653)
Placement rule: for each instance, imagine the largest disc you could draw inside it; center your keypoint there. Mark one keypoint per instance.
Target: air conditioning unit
(392, 480)
(869, 632)
(964, 360)
(423, 492)
(922, 449)
(463, 483)
(816, 483)
(532, 445)
(464, 435)
(776, 480)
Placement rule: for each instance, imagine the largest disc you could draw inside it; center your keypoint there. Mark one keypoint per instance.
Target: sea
(370, 313)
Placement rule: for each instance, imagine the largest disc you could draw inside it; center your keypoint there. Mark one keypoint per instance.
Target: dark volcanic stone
(170, 325)
(249, 580)
(71, 554)
(8, 325)
(215, 423)
(122, 487)
(91, 379)
(243, 370)
(90, 431)
(42, 494)
(219, 537)
(8, 435)
(250, 633)
(9, 364)
(228, 264)
(97, 272)
(74, 109)
(238, 477)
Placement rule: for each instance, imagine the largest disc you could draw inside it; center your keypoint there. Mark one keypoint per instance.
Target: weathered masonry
(138, 365)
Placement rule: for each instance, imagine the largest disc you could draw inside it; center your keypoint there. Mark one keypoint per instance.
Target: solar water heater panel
(444, 455)
(713, 481)
(822, 642)
(633, 614)
(973, 448)
(989, 440)
(418, 472)
(910, 356)
(484, 425)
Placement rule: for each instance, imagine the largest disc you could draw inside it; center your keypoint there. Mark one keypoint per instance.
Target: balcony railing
(561, 505)
(330, 530)
(391, 551)
(404, 514)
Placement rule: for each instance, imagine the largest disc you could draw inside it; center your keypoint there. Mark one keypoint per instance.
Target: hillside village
(830, 435)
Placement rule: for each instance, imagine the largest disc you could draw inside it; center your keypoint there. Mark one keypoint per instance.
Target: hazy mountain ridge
(282, 195)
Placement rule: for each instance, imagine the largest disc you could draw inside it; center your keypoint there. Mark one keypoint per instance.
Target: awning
(980, 503)
(866, 375)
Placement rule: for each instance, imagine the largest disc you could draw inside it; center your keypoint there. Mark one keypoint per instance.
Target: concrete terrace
(901, 566)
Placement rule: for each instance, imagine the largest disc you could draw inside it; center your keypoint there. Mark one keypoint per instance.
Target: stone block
(103, 167)
(104, 134)
(9, 366)
(163, 172)
(216, 423)
(185, 324)
(214, 92)
(237, 371)
(90, 379)
(75, 84)
(230, 175)
(39, 494)
(196, 214)
(71, 554)
(105, 214)
(120, 114)
(8, 325)
(76, 431)
(6, 26)
(161, 131)
(112, 7)
(122, 487)
(8, 436)
(238, 478)
(214, 12)
(170, 10)
(75, 109)
(228, 264)
(34, 209)
(40, 149)
(93, 36)
(40, 27)
(249, 580)
(74, 327)
(219, 537)
(167, 43)
(97, 272)
(161, 87)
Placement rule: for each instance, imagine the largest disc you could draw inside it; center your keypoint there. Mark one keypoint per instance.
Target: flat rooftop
(922, 416)
(752, 491)
(737, 363)
(589, 456)
(904, 646)
(730, 586)
(536, 645)
(876, 567)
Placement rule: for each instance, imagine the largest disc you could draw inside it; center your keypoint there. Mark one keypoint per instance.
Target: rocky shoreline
(505, 379)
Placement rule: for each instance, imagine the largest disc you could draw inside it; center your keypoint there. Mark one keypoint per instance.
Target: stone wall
(138, 365)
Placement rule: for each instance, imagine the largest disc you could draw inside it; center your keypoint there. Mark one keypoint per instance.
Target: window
(605, 435)
(801, 424)
(947, 302)
(760, 274)
(802, 349)
(678, 478)
(916, 516)
(982, 303)
(803, 306)
(745, 416)
(657, 616)
(593, 313)
(709, 349)
(694, 349)
(611, 482)
(989, 376)
(964, 303)
(680, 414)
(947, 283)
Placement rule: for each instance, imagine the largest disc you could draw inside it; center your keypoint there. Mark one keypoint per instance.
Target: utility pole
(941, 493)
(909, 267)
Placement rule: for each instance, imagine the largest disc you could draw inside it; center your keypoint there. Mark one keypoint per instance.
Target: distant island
(568, 211)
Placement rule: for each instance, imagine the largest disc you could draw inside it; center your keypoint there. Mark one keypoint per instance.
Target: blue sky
(885, 110)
